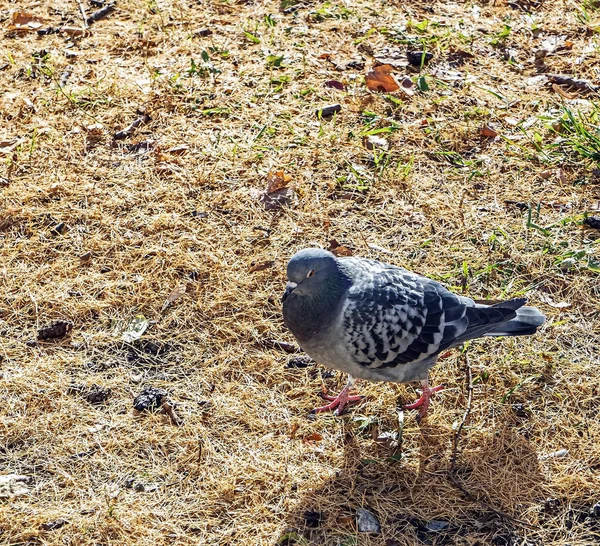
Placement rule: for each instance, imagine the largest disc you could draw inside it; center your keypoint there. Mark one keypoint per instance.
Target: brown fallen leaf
(380, 79)
(261, 266)
(488, 132)
(277, 180)
(314, 437)
(21, 20)
(558, 89)
(339, 250)
(335, 85)
(175, 294)
(75, 31)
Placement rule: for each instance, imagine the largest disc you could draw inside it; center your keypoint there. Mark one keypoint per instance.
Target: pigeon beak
(289, 288)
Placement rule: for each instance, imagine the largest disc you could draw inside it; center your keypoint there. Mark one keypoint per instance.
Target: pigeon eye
(310, 274)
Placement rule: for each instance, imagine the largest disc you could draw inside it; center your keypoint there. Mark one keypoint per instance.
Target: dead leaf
(488, 132)
(314, 437)
(75, 31)
(178, 150)
(261, 266)
(7, 146)
(562, 176)
(177, 292)
(371, 142)
(558, 89)
(339, 250)
(549, 301)
(277, 180)
(335, 84)
(293, 429)
(278, 199)
(407, 86)
(380, 79)
(392, 56)
(22, 20)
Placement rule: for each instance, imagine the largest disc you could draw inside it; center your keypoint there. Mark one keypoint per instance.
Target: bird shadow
(420, 495)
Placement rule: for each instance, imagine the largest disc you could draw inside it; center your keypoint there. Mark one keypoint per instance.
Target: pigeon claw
(339, 402)
(422, 404)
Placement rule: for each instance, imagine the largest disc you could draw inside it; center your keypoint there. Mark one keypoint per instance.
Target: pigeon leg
(339, 402)
(423, 402)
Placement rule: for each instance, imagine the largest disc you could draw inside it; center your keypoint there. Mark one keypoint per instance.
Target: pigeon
(379, 322)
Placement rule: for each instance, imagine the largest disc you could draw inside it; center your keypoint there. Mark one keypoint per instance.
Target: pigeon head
(317, 282)
(310, 270)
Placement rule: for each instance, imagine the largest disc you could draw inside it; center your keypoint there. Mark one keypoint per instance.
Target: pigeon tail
(527, 321)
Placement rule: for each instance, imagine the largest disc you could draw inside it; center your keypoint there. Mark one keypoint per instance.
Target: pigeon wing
(394, 317)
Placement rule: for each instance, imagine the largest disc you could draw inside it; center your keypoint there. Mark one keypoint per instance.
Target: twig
(465, 415)
(83, 14)
(282, 345)
(97, 15)
(130, 129)
(452, 471)
(170, 411)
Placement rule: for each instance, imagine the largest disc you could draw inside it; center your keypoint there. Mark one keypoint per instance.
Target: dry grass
(241, 470)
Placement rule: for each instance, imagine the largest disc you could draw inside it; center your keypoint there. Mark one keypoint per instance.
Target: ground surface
(96, 230)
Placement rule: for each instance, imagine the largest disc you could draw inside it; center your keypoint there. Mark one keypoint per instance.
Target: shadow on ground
(415, 500)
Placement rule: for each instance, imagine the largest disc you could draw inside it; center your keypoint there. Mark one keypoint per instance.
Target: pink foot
(423, 402)
(340, 401)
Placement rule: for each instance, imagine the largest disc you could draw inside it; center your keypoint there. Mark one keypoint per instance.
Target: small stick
(83, 14)
(465, 415)
(170, 411)
(130, 129)
(282, 345)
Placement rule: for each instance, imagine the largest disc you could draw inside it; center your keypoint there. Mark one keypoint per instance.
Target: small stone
(416, 57)
(436, 525)
(150, 399)
(519, 410)
(367, 522)
(58, 229)
(94, 394)
(55, 330)
(313, 519)
(592, 222)
(202, 32)
(300, 362)
(328, 111)
(52, 525)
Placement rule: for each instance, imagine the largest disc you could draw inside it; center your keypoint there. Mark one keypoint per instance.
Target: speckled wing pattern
(394, 317)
